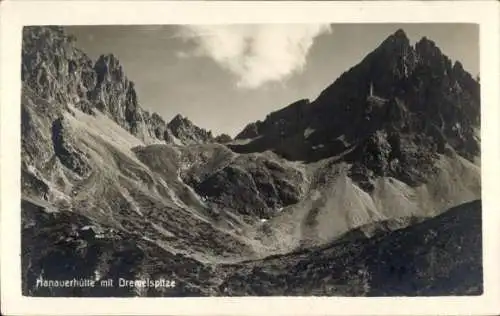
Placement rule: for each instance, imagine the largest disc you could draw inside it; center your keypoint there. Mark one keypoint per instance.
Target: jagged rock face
(115, 95)
(54, 68)
(37, 116)
(386, 113)
(156, 125)
(188, 133)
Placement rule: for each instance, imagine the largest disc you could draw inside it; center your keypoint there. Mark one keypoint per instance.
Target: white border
(16, 14)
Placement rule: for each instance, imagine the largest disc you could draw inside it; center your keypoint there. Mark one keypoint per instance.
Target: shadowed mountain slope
(440, 256)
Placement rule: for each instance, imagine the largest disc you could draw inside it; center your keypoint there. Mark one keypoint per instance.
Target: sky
(224, 77)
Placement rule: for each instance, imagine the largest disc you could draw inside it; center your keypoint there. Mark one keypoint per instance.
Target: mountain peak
(187, 132)
(108, 58)
(427, 41)
(428, 47)
(179, 119)
(108, 66)
(400, 33)
(457, 66)
(398, 38)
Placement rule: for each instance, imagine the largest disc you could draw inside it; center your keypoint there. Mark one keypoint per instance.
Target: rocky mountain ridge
(57, 70)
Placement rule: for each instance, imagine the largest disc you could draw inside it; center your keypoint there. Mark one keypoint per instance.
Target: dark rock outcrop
(250, 131)
(115, 95)
(223, 139)
(280, 124)
(65, 149)
(54, 68)
(252, 185)
(157, 127)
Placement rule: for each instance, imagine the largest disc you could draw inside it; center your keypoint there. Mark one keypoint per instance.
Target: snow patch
(244, 141)
(177, 141)
(171, 194)
(195, 195)
(162, 230)
(315, 195)
(131, 201)
(146, 238)
(308, 131)
(32, 169)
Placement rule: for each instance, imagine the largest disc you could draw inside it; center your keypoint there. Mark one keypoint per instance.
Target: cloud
(256, 54)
